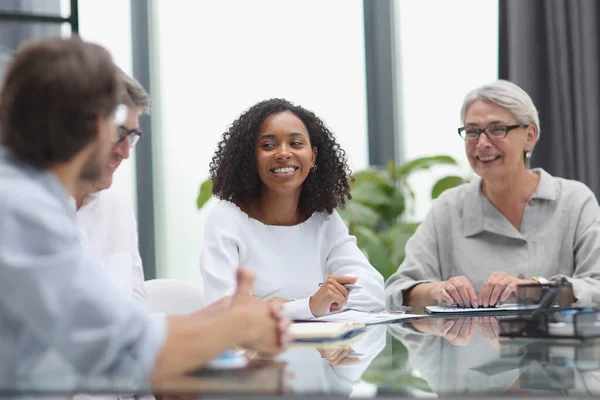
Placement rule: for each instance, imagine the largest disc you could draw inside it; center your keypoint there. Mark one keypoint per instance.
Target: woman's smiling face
(495, 159)
(284, 154)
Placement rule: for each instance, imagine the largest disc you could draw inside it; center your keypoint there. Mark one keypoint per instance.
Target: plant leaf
(424, 163)
(445, 184)
(372, 174)
(416, 382)
(396, 238)
(374, 248)
(204, 194)
(391, 169)
(395, 208)
(359, 214)
(370, 193)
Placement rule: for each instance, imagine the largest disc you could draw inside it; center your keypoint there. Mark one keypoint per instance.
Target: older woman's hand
(499, 287)
(456, 290)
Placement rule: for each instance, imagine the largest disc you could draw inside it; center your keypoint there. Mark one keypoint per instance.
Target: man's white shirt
(109, 231)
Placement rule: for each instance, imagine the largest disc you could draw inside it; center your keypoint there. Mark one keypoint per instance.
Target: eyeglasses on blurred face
(493, 132)
(134, 135)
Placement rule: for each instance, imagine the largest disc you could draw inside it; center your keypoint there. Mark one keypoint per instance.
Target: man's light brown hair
(133, 94)
(54, 91)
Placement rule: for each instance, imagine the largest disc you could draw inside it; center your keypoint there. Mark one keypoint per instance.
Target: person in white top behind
(280, 175)
(107, 218)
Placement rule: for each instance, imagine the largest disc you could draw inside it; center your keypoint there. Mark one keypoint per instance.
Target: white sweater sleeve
(298, 309)
(345, 258)
(219, 258)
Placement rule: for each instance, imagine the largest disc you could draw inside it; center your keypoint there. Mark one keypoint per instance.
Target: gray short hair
(134, 95)
(508, 96)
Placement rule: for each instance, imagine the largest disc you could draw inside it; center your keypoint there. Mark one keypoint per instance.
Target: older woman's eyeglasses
(133, 135)
(493, 132)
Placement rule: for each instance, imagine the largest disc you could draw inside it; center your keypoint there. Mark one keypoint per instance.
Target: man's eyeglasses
(133, 135)
(493, 132)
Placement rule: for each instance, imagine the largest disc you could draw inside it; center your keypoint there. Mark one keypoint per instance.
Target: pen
(348, 286)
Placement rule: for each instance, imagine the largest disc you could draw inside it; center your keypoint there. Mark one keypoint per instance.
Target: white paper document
(365, 317)
(455, 309)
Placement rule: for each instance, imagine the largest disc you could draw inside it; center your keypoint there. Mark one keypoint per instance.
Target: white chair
(174, 296)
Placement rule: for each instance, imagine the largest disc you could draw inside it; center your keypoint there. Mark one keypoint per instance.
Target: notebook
(325, 331)
(460, 310)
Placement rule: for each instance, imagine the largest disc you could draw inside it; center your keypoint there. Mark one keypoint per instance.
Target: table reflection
(333, 369)
(447, 353)
(466, 355)
(447, 356)
(551, 366)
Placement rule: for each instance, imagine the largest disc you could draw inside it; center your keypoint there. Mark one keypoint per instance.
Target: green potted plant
(376, 215)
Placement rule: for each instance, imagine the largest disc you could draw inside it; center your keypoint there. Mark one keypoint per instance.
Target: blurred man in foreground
(57, 111)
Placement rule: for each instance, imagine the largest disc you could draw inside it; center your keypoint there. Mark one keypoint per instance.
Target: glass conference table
(433, 357)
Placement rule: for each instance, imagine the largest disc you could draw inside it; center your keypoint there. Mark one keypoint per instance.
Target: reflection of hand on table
(337, 356)
(263, 377)
(461, 331)
(175, 397)
(489, 328)
(434, 326)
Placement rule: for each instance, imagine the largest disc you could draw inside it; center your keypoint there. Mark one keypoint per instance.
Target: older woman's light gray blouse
(464, 234)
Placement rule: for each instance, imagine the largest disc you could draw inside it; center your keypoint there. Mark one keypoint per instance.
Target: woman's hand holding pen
(332, 295)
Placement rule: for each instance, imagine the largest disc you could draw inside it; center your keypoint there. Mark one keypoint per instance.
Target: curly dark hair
(233, 167)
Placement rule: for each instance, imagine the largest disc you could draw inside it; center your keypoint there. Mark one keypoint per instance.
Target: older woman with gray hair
(511, 225)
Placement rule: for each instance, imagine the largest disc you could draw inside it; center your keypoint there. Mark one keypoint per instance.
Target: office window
(214, 59)
(57, 8)
(21, 20)
(444, 49)
(14, 31)
(108, 23)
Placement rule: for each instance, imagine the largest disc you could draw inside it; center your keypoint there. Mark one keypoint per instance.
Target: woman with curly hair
(280, 174)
